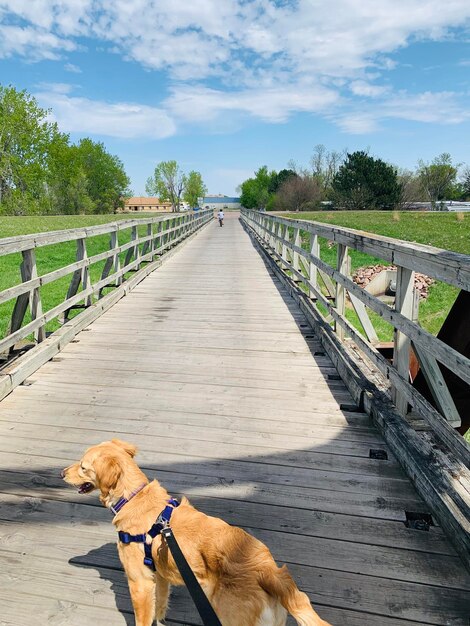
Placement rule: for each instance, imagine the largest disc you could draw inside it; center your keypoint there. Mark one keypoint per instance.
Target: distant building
(145, 204)
(221, 202)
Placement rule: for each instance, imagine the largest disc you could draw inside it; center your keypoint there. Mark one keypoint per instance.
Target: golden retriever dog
(236, 571)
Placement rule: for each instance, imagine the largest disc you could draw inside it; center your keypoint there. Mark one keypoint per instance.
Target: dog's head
(100, 467)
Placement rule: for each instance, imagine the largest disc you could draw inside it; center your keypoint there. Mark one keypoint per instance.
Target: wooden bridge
(220, 367)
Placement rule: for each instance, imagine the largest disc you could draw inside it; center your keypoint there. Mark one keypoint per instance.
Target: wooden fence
(332, 286)
(161, 234)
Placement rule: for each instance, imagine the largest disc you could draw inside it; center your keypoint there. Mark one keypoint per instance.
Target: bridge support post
(340, 299)
(296, 259)
(404, 304)
(312, 274)
(28, 270)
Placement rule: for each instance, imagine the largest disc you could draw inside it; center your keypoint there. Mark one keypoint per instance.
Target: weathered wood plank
(208, 479)
(455, 361)
(339, 456)
(402, 343)
(364, 530)
(451, 267)
(241, 417)
(442, 479)
(287, 546)
(235, 468)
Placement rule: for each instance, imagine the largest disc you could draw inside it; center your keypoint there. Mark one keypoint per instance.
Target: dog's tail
(277, 582)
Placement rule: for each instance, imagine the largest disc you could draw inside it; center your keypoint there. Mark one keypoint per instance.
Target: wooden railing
(331, 286)
(161, 233)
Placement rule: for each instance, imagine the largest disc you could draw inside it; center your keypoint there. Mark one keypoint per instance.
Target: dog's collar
(115, 508)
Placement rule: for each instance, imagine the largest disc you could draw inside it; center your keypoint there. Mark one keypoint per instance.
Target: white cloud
(123, 119)
(357, 123)
(33, 43)
(427, 107)
(273, 104)
(56, 88)
(268, 59)
(363, 88)
(431, 107)
(74, 69)
(209, 36)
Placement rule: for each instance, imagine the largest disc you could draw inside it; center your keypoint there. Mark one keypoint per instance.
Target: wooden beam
(364, 318)
(437, 386)
(402, 343)
(313, 271)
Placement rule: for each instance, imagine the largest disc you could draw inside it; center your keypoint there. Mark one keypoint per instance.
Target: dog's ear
(108, 472)
(127, 447)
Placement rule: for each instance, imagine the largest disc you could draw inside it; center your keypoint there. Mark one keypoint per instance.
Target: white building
(221, 202)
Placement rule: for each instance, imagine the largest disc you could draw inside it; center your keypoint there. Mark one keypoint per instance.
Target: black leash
(203, 606)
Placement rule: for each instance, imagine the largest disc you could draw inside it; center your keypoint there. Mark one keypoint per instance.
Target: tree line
(355, 180)
(43, 172)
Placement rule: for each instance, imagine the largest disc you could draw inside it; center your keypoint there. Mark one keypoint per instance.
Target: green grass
(53, 257)
(449, 231)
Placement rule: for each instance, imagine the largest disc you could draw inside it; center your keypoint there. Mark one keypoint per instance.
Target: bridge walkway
(211, 369)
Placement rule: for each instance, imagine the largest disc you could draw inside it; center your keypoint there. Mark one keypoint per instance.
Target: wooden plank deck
(211, 370)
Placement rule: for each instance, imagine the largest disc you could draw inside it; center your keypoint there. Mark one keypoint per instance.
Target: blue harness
(162, 522)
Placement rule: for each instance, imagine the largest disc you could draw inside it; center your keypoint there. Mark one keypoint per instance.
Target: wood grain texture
(212, 370)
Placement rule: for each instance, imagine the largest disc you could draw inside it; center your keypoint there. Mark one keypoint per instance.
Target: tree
(41, 172)
(325, 165)
(438, 177)
(298, 193)
(194, 189)
(168, 183)
(107, 180)
(364, 182)
(278, 179)
(25, 135)
(255, 192)
(465, 183)
(411, 190)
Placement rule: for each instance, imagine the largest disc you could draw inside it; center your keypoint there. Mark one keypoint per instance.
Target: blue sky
(224, 86)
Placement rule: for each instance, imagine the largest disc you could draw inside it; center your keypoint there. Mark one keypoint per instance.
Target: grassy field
(450, 231)
(50, 258)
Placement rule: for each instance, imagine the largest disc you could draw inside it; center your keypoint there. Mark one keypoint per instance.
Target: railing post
(277, 243)
(158, 238)
(285, 244)
(296, 257)
(28, 270)
(402, 344)
(114, 244)
(137, 249)
(133, 251)
(82, 255)
(166, 234)
(340, 300)
(35, 304)
(148, 245)
(313, 274)
(80, 276)
(112, 262)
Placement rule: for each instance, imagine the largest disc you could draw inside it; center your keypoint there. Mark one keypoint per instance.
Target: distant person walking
(220, 217)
